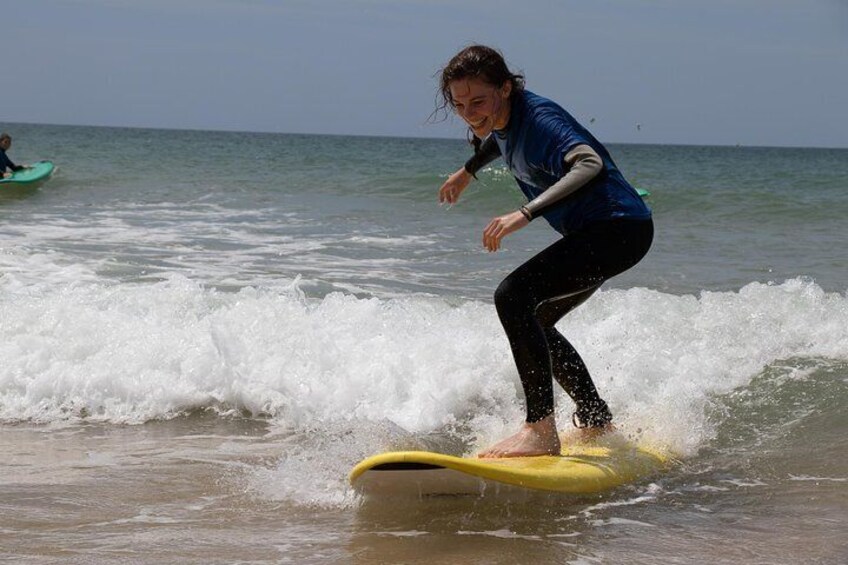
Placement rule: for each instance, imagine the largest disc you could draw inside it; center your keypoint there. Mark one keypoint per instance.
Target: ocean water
(202, 332)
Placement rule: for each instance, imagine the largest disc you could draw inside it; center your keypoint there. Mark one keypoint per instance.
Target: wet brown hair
(475, 61)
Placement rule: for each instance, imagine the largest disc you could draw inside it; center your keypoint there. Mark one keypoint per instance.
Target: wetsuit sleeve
(6, 162)
(488, 152)
(583, 165)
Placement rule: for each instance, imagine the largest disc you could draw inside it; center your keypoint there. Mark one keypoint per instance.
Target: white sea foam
(134, 352)
(368, 372)
(391, 242)
(233, 248)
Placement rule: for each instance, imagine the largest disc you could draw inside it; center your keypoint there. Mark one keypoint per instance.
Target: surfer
(5, 162)
(571, 181)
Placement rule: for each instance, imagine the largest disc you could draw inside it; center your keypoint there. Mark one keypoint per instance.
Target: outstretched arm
(459, 181)
(6, 162)
(488, 152)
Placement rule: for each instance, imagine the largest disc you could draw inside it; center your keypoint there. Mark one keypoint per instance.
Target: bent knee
(505, 293)
(512, 297)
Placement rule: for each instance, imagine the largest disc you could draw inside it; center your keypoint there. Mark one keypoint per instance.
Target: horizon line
(387, 136)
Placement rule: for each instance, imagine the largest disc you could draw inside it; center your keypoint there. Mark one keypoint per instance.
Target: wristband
(526, 213)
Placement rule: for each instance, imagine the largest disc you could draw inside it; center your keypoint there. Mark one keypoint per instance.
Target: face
(5, 143)
(482, 106)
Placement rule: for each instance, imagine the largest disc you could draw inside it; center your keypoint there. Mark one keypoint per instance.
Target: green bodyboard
(38, 171)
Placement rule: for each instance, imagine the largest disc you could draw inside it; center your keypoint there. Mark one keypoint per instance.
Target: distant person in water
(5, 162)
(571, 181)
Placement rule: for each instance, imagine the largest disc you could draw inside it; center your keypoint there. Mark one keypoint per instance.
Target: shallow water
(203, 489)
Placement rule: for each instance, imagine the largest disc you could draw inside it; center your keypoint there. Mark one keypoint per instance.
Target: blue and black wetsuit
(570, 179)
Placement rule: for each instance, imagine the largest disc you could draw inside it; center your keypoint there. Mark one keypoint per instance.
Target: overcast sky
(752, 72)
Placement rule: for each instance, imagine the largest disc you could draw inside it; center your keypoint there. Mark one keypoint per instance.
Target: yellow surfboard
(580, 469)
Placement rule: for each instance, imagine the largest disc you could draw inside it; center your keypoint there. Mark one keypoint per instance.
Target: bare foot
(538, 438)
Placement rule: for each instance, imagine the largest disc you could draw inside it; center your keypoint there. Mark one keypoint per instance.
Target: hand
(453, 187)
(6, 175)
(502, 226)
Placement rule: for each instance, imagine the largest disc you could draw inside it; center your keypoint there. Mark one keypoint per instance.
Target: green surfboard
(38, 171)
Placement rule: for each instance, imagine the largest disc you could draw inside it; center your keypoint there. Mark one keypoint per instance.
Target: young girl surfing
(571, 181)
